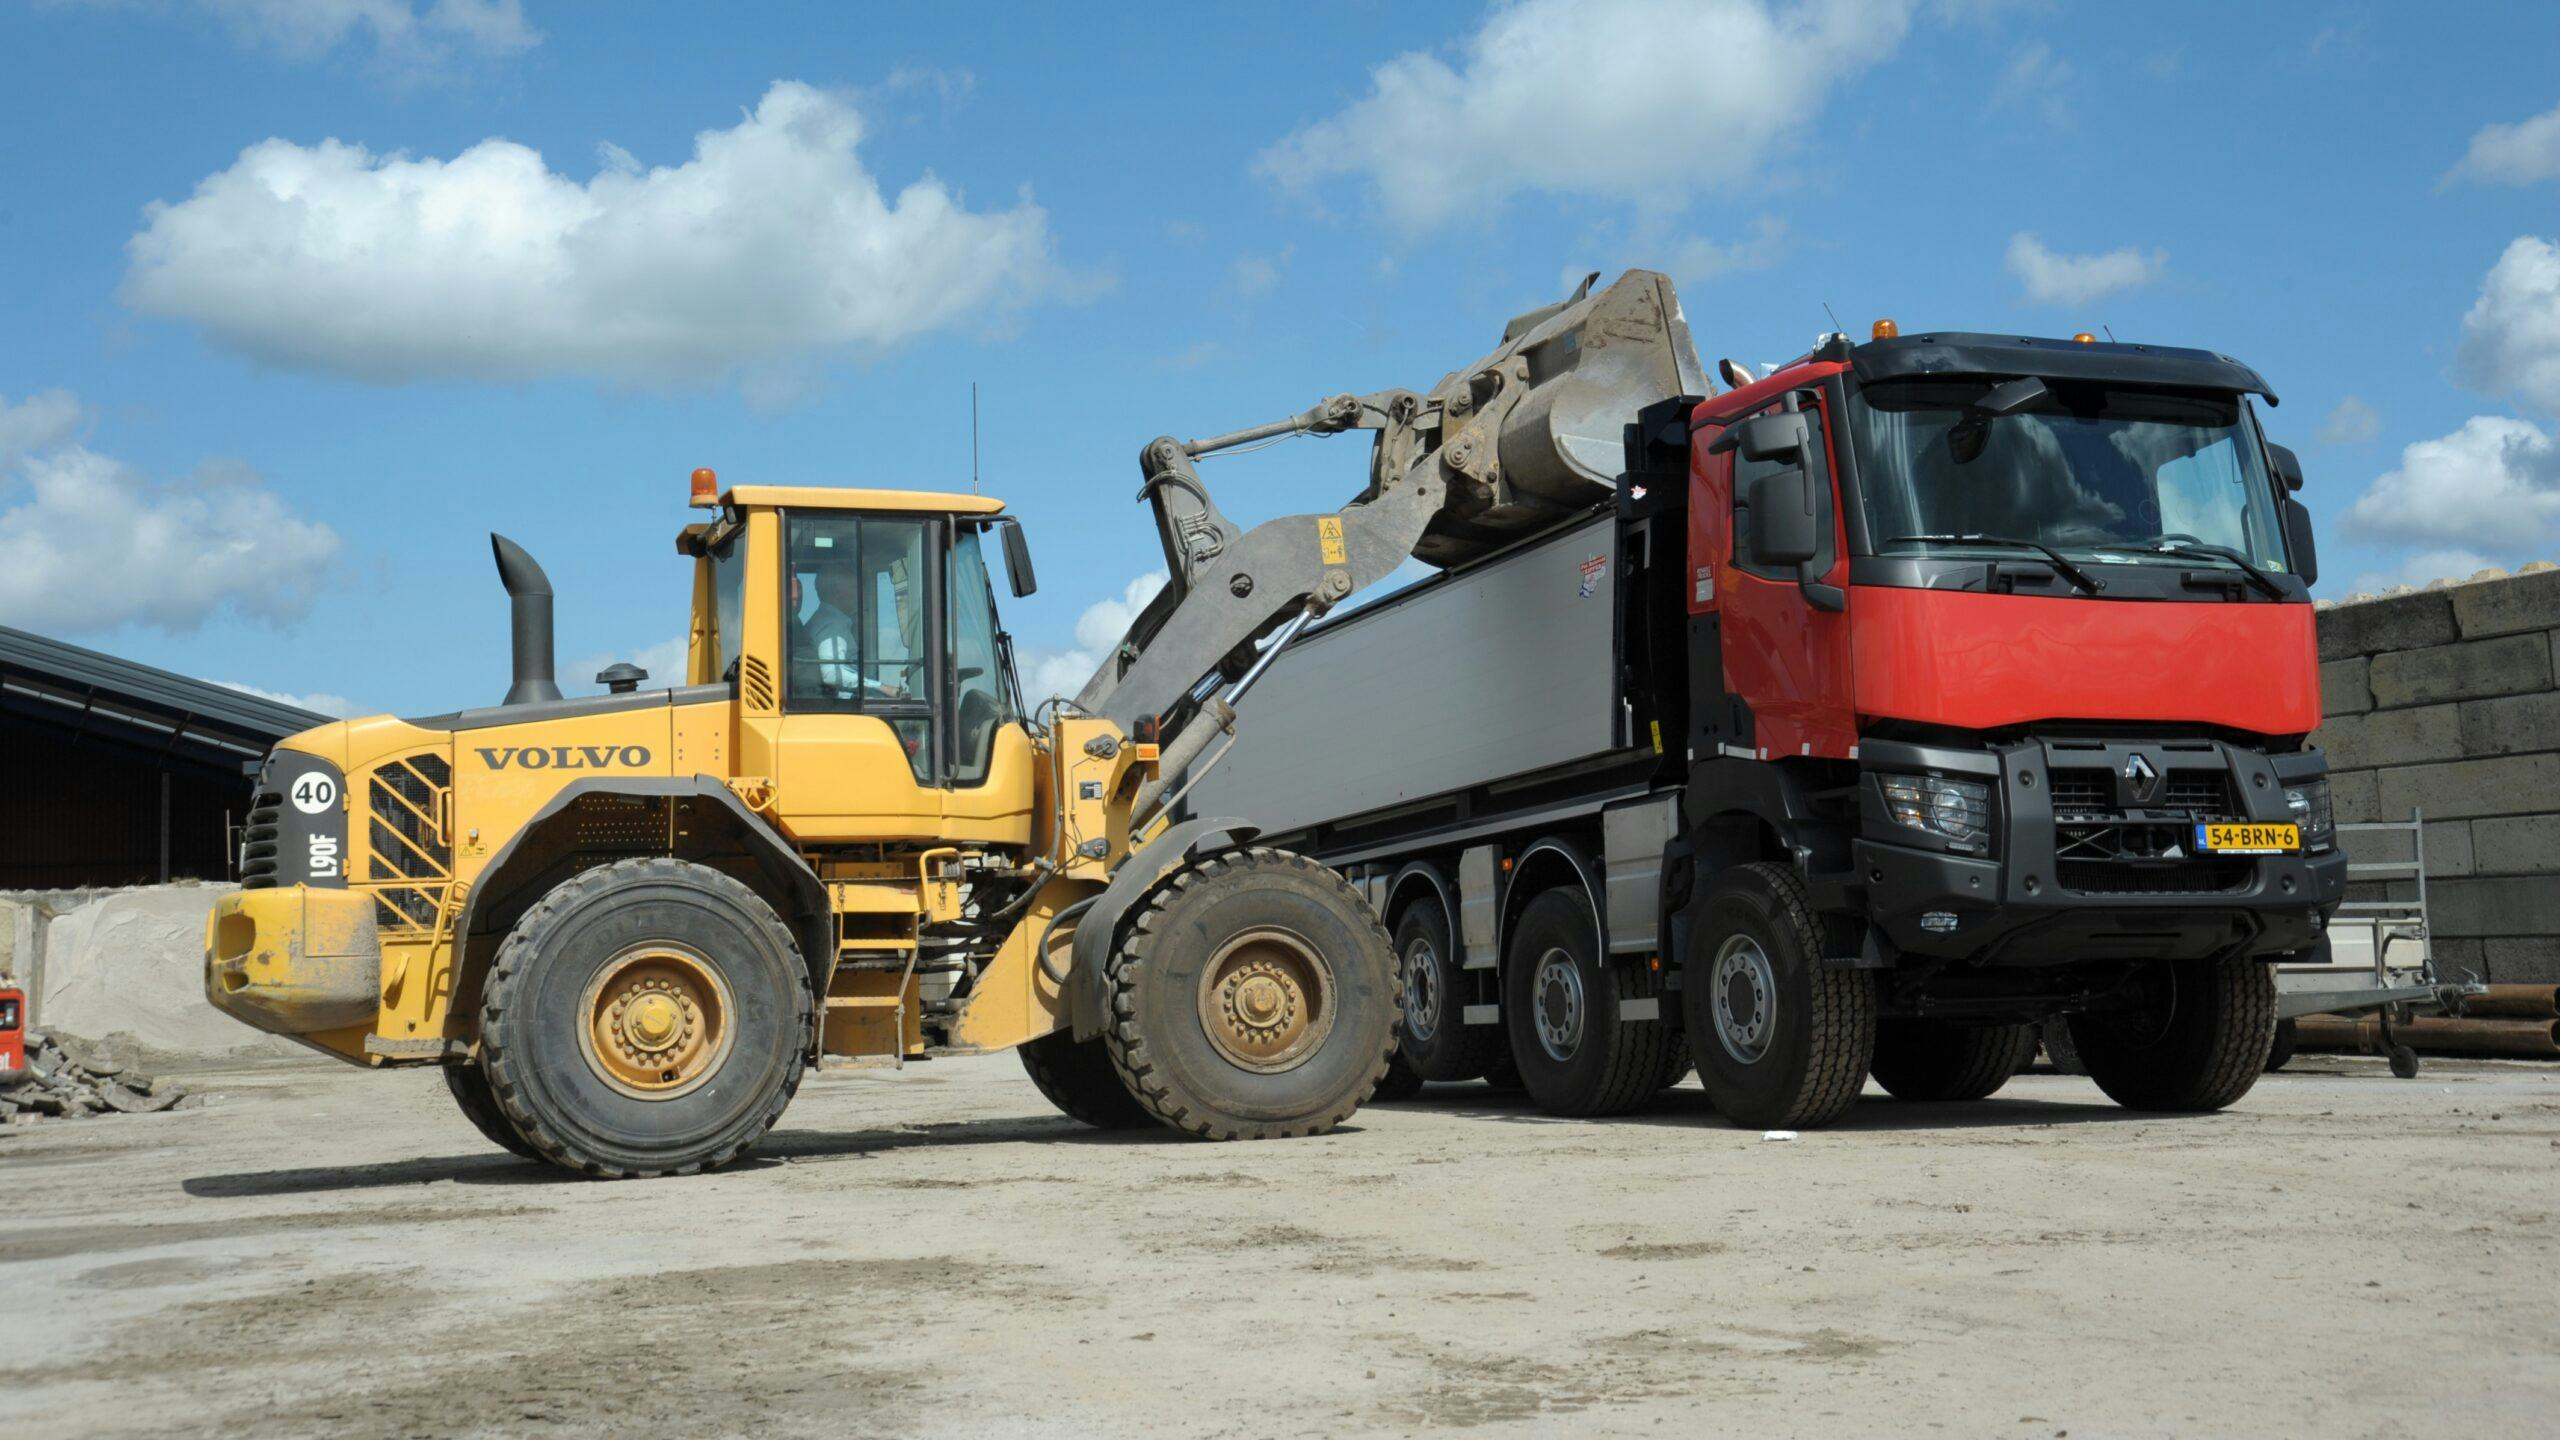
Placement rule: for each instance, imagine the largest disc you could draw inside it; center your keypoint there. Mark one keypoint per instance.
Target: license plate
(2249, 839)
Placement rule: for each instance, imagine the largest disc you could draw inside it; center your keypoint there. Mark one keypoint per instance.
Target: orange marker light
(1884, 330)
(706, 488)
(2085, 338)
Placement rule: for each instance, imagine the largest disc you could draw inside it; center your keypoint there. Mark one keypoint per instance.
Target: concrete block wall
(2446, 701)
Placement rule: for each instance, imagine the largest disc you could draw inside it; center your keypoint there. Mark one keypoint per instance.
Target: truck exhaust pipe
(529, 598)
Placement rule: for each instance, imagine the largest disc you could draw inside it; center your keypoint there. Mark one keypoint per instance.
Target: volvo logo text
(566, 757)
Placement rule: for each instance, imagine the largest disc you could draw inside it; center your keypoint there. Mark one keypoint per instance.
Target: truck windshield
(2095, 471)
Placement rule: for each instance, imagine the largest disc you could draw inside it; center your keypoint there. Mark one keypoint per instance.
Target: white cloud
(92, 543)
(2352, 423)
(2035, 78)
(2421, 571)
(2511, 337)
(1642, 100)
(772, 244)
(2492, 485)
(321, 701)
(2518, 154)
(1259, 275)
(2052, 278)
(1063, 672)
(39, 422)
(402, 35)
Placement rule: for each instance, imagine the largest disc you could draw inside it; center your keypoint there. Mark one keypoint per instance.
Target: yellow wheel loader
(626, 924)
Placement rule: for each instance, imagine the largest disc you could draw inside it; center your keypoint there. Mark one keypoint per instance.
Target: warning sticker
(1329, 539)
(1594, 570)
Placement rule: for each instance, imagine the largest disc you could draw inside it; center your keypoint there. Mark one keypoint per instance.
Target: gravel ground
(321, 1251)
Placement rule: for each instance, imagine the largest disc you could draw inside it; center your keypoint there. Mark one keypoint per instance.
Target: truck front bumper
(294, 961)
(2058, 887)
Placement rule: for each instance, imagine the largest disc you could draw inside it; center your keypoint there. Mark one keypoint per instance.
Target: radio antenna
(973, 437)
(1836, 327)
(2111, 333)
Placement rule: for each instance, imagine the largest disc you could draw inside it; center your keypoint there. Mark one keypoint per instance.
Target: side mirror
(2299, 547)
(2288, 466)
(1782, 519)
(1017, 559)
(1779, 435)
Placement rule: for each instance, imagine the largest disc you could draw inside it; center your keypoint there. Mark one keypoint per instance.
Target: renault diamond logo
(2140, 779)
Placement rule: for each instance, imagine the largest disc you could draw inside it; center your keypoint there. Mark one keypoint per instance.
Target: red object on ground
(13, 1029)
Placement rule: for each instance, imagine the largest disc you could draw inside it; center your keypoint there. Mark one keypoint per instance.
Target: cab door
(858, 753)
(1784, 658)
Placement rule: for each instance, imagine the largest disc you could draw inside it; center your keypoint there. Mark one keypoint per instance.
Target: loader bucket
(1543, 419)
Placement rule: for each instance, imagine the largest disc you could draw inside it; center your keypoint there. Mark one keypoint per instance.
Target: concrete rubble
(67, 1078)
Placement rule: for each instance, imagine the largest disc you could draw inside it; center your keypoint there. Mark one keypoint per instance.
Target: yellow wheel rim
(658, 1021)
(1266, 1000)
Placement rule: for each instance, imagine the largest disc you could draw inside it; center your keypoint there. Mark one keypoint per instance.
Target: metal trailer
(2377, 958)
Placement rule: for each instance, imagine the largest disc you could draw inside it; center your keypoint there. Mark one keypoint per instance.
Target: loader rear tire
(2197, 1041)
(1078, 1078)
(1790, 1042)
(1561, 996)
(1437, 1042)
(648, 1017)
(470, 1087)
(1933, 1060)
(1253, 995)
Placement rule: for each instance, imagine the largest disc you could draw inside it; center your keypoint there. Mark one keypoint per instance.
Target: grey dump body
(1475, 677)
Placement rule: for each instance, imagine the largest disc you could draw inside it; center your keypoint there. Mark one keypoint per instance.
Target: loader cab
(875, 683)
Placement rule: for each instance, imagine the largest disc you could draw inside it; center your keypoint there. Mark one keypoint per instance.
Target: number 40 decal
(314, 793)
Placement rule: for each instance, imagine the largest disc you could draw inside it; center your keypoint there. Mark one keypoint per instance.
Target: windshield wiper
(2192, 548)
(2079, 578)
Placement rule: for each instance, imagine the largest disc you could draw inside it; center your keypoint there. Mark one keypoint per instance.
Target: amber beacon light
(1883, 330)
(706, 487)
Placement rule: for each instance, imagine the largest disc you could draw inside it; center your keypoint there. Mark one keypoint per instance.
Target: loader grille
(410, 865)
(258, 840)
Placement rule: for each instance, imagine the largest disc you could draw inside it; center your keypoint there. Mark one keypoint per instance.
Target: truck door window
(855, 624)
(983, 702)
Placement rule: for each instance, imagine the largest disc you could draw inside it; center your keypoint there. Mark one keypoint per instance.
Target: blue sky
(303, 297)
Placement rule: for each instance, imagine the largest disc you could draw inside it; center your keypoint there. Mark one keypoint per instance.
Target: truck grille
(2079, 791)
(258, 841)
(411, 861)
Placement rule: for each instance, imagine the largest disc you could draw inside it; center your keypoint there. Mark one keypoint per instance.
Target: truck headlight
(2309, 802)
(1958, 810)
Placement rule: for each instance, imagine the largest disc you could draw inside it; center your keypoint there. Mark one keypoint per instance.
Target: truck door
(1786, 659)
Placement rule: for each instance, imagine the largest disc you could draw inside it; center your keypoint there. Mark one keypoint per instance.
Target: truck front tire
(2198, 1039)
(1782, 1041)
(1933, 1060)
(1560, 996)
(1254, 995)
(648, 1017)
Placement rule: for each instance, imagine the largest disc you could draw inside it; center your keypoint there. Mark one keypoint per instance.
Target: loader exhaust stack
(529, 598)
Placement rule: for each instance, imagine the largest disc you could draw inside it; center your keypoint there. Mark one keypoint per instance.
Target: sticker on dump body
(1329, 540)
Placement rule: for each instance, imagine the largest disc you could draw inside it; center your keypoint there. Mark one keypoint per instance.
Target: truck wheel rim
(1266, 1000)
(1421, 990)
(657, 1021)
(1743, 987)
(1556, 999)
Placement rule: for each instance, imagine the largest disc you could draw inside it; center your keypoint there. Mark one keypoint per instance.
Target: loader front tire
(1253, 995)
(648, 1017)
(470, 1087)
(1078, 1078)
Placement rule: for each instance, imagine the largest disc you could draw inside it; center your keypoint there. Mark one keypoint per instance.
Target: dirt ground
(328, 1252)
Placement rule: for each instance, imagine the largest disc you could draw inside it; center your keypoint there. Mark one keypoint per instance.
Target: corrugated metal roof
(66, 684)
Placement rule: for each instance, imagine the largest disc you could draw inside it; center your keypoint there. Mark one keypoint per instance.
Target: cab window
(983, 702)
(856, 623)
